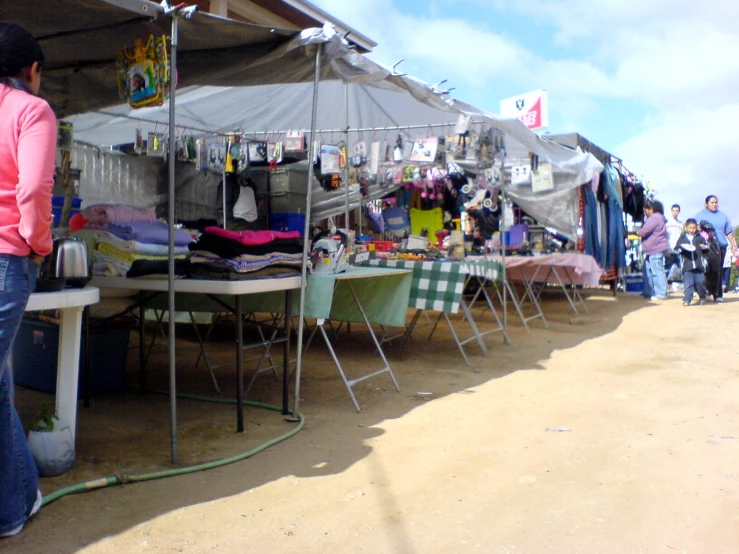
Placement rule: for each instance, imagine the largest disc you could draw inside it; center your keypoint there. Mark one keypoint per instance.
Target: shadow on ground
(128, 433)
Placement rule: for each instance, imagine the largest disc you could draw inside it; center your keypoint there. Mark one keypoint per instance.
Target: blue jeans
(694, 280)
(18, 473)
(656, 274)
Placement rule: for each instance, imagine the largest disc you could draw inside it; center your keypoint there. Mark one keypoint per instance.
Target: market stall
(204, 49)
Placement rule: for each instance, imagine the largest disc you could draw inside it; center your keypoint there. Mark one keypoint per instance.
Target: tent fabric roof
(263, 110)
(575, 140)
(80, 39)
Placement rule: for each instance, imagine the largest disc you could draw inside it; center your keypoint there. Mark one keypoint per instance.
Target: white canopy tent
(372, 111)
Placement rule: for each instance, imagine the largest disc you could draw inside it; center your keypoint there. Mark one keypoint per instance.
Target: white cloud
(676, 60)
(689, 156)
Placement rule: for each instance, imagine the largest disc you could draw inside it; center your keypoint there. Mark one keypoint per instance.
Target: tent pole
(170, 268)
(306, 231)
(223, 177)
(503, 243)
(346, 164)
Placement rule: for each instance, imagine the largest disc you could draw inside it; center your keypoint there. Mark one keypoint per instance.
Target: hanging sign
(143, 74)
(424, 149)
(531, 108)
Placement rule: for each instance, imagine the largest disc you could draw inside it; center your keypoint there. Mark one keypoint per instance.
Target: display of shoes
(36, 508)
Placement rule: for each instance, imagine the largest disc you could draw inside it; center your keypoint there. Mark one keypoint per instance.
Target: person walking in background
(674, 230)
(692, 247)
(27, 150)
(654, 245)
(724, 236)
(729, 262)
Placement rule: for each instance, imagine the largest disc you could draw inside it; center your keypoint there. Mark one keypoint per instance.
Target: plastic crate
(287, 222)
(57, 204)
(634, 283)
(57, 214)
(36, 350)
(384, 245)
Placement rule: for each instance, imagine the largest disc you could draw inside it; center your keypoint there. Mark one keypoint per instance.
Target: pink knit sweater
(27, 152)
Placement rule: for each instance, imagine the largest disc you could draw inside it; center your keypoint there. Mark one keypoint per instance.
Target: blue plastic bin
(57, 203)
(36, 349)
(287, 222)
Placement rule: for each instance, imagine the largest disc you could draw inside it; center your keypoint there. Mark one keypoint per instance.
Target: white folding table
(70, 303)
(212, 287)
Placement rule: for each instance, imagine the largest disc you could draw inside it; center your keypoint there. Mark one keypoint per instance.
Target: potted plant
(52, 446)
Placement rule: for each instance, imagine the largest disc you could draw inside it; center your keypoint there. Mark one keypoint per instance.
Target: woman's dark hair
(710, 197)
(18, 50)
(656, 206)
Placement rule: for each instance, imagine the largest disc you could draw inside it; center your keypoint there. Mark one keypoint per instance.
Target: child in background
(729, 261)
(692, 248)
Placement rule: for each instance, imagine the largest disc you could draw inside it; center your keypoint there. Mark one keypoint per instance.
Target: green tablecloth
(436, 286)
(383, 294)
(490, 269)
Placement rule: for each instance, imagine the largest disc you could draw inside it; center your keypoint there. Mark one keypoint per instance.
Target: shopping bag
(675, 274)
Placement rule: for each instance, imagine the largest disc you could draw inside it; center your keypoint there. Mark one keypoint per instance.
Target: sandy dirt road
(649, 462)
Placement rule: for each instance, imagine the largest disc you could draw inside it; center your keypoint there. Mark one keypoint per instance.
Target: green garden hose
(129, 479)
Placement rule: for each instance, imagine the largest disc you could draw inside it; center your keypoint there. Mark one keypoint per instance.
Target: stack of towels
(125, 241)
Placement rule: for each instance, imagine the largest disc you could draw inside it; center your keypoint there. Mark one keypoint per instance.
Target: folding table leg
(489, 303)
(202, 351)
(433, 329)
(347, 383)
(456, 340)
(409, 328)
(374, 338)
(475, 331)
(575, 297)
(239, 367)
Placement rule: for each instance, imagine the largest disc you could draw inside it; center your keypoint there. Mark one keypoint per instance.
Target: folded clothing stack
(237, 255)
(122, 247)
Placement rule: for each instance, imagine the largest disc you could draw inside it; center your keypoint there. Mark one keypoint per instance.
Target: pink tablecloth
(573, 268)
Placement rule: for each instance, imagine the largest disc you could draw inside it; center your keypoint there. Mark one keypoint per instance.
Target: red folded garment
(252, 238)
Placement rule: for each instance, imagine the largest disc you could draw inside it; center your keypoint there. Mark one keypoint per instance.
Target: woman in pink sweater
(27, 150)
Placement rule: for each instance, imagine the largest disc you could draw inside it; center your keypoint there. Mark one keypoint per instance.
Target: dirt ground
(647, 462)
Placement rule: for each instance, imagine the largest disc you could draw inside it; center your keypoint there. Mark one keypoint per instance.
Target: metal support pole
(170, 268)
(504, 243)
(346, 165)
(223, 176)
(306, 230)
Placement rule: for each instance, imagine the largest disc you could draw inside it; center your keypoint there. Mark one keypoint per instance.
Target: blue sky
(655, 82)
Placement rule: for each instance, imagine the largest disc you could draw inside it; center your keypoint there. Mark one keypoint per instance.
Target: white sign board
(532, 108)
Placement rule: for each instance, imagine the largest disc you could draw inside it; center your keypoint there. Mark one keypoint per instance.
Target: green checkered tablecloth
(489, 269)
(435, 286)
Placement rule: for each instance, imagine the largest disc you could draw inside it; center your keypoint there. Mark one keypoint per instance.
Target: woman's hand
(37, 258)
